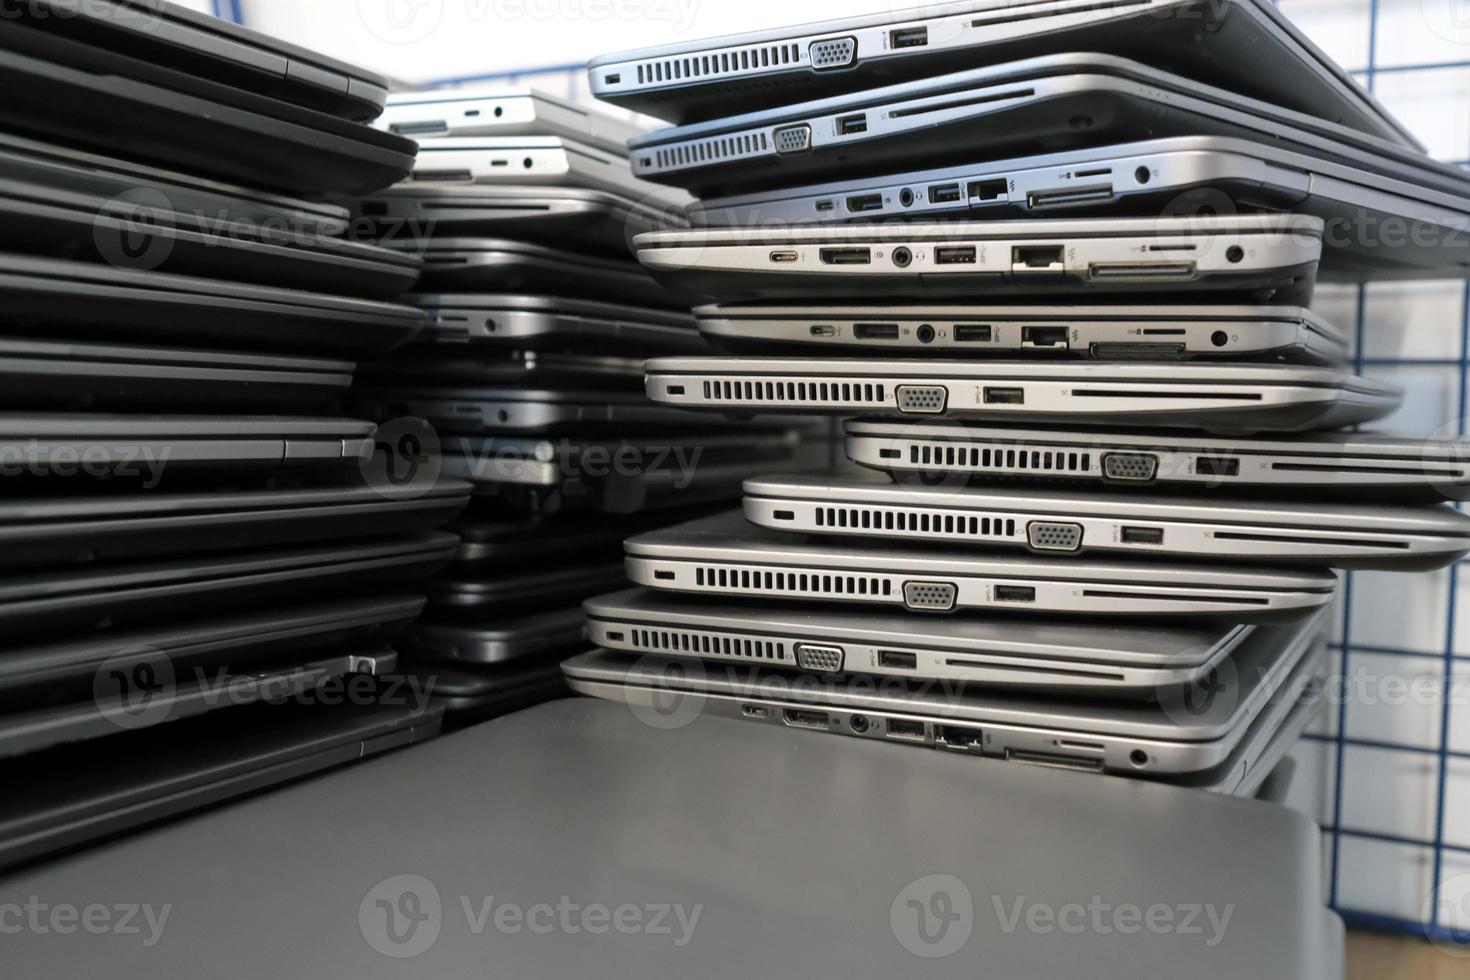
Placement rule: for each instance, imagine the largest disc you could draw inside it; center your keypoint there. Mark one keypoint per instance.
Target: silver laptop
(1092, 657)
(1356, 463)
(992, 519)
(595, 220)
(1038, 105)
(1270, 258)
(725, 555)
(1389, 226)
(531, 322)
(537, 160)
(1245, 46)
(1101, 332)
(517, 410)
(1223, 750)
(1216, 397)
(1192, 733)
(503, 110)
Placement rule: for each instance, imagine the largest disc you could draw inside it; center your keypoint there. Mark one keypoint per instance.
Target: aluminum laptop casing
(727, 556)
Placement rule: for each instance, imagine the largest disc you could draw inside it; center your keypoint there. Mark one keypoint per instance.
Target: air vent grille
(1000, 458)
(915, 521)
(746, 579)
(722, 64)
(704, 644)
(713, 150)
(797, 392)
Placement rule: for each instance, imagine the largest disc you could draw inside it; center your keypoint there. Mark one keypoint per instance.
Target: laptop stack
(190, 533)
(528, 381)
(1060, 300)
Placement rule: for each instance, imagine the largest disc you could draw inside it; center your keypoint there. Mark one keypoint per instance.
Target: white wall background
(1378, 770)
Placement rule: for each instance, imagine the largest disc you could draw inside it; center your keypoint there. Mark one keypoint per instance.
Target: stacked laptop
(1060, 299)
(528, 381)
(202, 573)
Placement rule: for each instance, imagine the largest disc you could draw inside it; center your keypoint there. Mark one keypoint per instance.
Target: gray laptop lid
(503, 110)
(649, 804)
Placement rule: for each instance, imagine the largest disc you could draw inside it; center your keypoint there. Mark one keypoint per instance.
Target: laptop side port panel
(930, 596)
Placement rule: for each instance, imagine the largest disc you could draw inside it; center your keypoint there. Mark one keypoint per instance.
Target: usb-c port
(784, 256)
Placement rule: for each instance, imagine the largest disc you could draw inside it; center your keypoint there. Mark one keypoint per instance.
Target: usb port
(826, 205)
(945, 194)
(815, 720)
(847, 256)
(1143, 535)
(1037, 258)
(865, 202)
(956, 737)
(1216, 466)
(989, 190)
(875, 331)
(901, 728)
(785, 255)
(973, 333)
(955, 255)
(850, 125)
(1015, 593)
(755, 711)
(908, 37)
(894, 660)
(1005, 396)
(1045, 336)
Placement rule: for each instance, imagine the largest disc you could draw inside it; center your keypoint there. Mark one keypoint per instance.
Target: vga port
(1130, 467)
(930, 596)
(793, 139)
(814, 656)
(834, 52)
(1054, 537)
(922, 399)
